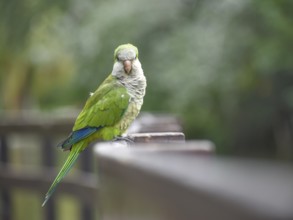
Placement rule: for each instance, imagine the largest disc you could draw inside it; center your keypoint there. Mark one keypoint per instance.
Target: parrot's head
(126, 63)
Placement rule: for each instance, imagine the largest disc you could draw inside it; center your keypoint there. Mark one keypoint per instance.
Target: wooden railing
(158, 176)
(83, 184)
(186, 182)
(39, 180)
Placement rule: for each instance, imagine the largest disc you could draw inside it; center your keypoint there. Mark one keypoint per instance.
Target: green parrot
(108, 111)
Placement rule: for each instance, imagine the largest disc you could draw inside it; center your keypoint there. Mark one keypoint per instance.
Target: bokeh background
(225, 68)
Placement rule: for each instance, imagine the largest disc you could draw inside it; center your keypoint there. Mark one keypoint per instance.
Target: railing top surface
(262, 187)
(36, 125)
(54, 123)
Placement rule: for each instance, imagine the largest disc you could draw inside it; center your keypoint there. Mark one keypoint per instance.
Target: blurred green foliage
(224, 67)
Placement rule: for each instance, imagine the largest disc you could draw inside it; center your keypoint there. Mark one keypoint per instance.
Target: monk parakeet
(108, 111)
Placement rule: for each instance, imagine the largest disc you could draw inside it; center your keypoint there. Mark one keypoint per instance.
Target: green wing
(105, 107)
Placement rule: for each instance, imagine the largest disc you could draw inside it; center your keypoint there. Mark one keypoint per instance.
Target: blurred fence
(83, 185)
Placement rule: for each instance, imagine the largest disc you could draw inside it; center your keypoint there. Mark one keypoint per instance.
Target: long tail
(73, 155)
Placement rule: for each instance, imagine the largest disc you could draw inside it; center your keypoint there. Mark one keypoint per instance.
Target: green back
(105, 107)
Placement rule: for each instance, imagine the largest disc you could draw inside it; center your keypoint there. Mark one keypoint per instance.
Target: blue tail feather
(77, 136)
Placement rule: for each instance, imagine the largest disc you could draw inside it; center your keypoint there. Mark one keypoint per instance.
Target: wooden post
(48, 161)
(5, 195)
(87, 208)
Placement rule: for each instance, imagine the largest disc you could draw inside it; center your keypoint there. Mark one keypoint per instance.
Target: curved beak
(127, 66)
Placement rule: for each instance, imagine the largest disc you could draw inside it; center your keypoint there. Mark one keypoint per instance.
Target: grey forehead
(126, 54)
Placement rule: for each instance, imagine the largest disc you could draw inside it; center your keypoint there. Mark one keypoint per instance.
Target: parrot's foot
(123, 138)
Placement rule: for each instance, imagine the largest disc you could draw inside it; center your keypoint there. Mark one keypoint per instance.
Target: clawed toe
(127, 139)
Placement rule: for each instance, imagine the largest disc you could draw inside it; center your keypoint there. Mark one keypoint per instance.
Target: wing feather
(105, 107)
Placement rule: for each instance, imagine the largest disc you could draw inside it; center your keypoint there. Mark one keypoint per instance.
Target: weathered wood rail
(84, 184)
(30, 179)
(159, 176)
(178, 181)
